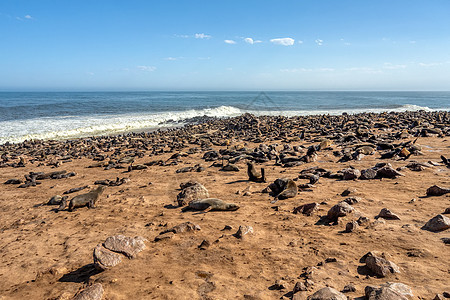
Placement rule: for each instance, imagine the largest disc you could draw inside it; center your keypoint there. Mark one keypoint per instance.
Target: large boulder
(327, 293)
(192, 192)
(339, 210)
(437, 223)
(93, 292)
(380, 266)
(104, 258)
(126, 245)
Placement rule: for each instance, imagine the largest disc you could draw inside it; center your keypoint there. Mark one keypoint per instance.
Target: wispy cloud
(300, 42)
(303, 70)
(389, 66)
(170, 58)
(229, 42)
(147, 68)
(28, 17)
(364, 70)
(251, 41)
(319, 42)
(202, 36)
(283, 41)
(427, 65)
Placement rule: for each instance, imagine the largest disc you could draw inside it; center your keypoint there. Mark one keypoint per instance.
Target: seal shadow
(171, 206)
(80, 275)
(237, 181)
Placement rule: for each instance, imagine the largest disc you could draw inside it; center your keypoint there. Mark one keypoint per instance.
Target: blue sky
(224, 45)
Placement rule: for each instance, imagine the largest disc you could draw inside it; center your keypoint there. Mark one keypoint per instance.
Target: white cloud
(427, 65)
(171, 58)
(390, 66)
(184, 36)
(147, 68)
(202, 36)
(319, 42)
(229, 42)
(283, 41)
(249, 41)
(28, 17)
(300, 42)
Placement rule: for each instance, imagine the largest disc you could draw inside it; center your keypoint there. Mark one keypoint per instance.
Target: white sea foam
(67, 127)
(82, 126)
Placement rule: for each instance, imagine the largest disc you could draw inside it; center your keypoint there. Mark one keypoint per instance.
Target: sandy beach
(48, 254)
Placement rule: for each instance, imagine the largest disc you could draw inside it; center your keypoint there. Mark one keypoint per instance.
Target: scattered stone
(104, 258)
(279, 285)
(243, 230)
(339, 210)
(164, 236)
(204, 245)
(388, 172)
(446, 240)
(382, 293)
(352, 200)
(183, 227)
(348, 191)
(306, 209)
(93, 292)
(127, 245)
(387, 214)
(191, 192)
(327, 293)
(437, 191)
(447, 211)
(400, 288)
(299, 287)
(351, 226)
(349, 288)
(230, 168)
(437, 223)
(380, 266)
(350, 174)
(368, 174)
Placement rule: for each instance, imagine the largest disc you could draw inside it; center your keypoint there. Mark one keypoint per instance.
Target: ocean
(66, 115)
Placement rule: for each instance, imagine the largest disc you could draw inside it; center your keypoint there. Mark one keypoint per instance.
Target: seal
(289, 191)
(253, 175)
(211, 204)
(87, 199)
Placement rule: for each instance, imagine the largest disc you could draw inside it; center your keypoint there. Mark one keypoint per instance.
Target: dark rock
(349, 288)
(164, 236)
(382, 293)
(307, 209)
(368, 174)
(350, 174)
(437, 223)
(437, 191)
(388, 172)
(388, 215)
(351, 226)
(339, 210)
(204, 245)
(380, 266)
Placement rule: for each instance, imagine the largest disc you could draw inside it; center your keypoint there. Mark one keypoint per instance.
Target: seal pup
(253, 174)
(88, 199)
(209, 204)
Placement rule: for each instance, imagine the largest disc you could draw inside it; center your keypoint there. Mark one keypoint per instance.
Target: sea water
(65, 115)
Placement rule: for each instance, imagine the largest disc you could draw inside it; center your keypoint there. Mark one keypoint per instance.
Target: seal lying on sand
(210, 204)
(253, 174)
(88, 199)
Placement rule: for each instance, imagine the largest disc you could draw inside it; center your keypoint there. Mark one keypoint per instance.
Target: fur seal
(253, 174)
(211, 204)
(88, 199)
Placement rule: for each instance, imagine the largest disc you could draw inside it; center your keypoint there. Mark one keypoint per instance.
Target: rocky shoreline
(314, 207)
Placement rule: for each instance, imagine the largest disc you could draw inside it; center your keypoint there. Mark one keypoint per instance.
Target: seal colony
(349, 205)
